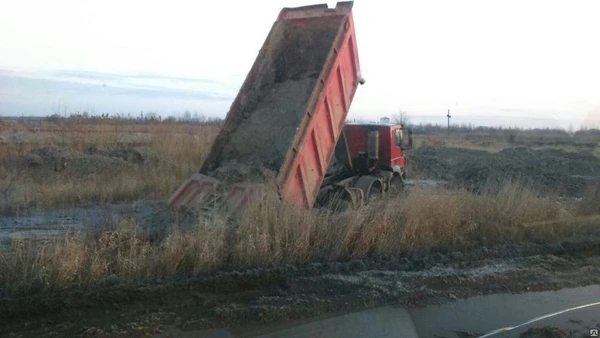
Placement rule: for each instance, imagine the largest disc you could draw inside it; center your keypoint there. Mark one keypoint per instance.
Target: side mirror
(407, 142)
(399, 138)
(407, 145)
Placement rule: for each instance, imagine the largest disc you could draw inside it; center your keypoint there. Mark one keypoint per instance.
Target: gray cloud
(37, 85)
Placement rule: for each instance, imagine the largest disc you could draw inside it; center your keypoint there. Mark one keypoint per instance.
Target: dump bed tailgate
(288, 114)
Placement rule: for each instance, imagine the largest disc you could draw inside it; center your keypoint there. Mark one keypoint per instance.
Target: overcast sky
(497, 58)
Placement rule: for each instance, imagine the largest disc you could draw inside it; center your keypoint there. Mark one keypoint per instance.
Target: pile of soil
(82, 163)
(47, 157)
(271, 109)
(126, 153)
(264, 138)
(233, 171)
(547, 170)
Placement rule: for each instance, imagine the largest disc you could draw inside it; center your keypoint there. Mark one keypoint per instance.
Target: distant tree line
(429, 128)
(402, 117)
(187, 117)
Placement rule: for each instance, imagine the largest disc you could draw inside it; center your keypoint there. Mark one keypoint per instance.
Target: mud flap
(205, 192)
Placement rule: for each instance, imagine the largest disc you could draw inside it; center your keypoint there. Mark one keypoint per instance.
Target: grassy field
(57, 163)
(69, 162)
(72, 162)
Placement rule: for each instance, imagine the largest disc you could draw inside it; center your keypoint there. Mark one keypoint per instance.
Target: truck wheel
(371, 188)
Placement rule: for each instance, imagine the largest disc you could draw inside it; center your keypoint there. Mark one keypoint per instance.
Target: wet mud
(265, 296)
(547, 170)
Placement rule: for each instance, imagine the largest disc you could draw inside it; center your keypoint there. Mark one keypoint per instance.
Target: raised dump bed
(288, 114)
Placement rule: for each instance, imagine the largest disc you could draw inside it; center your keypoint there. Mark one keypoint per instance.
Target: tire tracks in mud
(268, 295)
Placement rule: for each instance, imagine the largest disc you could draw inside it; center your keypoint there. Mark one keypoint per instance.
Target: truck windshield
(398, 137)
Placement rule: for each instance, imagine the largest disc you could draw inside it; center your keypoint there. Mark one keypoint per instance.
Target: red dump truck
(288, 122)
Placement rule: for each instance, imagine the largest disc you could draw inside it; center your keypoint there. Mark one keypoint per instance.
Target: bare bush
(401, 117)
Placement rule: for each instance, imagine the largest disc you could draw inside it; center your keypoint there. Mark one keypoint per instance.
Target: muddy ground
(270, 295)
(549, 171)
(153, 216)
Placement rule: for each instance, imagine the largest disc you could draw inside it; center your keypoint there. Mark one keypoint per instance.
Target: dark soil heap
(269, 109)
(546, 170)
(263, 140)
(81, 164)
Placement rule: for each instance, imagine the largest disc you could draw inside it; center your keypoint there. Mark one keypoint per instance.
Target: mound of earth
(127, 154)
(47, 157)
(233, 172)
(267, 132)
(82, 164)
(547, 170)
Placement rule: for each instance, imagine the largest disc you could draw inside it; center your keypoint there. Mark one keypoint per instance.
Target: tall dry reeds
(269, 233)
(90, 169)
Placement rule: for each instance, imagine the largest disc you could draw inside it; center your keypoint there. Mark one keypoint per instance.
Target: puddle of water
(477, 315)
(483, 314)
(31, 234)
(176, 333)
(44, 225)
(381, 322)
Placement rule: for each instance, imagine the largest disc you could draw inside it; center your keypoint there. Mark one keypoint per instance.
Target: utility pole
(448, 116)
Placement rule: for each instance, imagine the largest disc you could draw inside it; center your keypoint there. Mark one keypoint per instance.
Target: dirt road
(266, 296)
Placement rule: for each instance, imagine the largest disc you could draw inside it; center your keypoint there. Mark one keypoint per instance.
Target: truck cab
(368, 162)
(375, 147)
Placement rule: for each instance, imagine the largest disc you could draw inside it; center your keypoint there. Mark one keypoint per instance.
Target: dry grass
(123, 253)
(92, 171)
(270, 233)
(171, 151)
